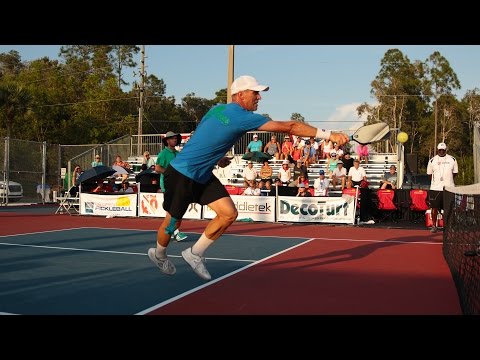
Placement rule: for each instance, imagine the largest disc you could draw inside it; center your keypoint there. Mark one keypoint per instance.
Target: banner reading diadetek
(151, 204)
(257, 208)
(113, 205)
(317, 209)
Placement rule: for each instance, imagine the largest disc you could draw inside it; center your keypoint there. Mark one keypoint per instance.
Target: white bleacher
(378, 165)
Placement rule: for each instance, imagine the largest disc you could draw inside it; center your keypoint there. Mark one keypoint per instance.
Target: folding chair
(70, 203)
(386, 204)
(418, 205)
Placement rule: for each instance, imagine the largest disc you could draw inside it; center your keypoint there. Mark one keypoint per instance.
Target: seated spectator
(250, 190)
(111, 185)
(362, 152)
(126, 188)
(300, 169)
(97, 161)
(287, 147)
(266, 171)
(320, 185)
(119, 162)
(100, 188)
(347, 161)
(267, 189)
(389, 180)
(249, 173)
(148, 161)
(254, 145)
(356, 174)
(284, 173)
(300, 180)
(303, 191)
(337, 150)
(339, 175)
(272, 148)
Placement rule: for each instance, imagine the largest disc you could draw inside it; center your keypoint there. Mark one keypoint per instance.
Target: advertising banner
(257, 208)
(151, 204)
(317, 209)
(108, 205)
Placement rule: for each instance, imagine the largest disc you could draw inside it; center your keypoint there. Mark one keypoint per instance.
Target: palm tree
(14, 100)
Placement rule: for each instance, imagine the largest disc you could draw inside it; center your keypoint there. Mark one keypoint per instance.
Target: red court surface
(342, 270)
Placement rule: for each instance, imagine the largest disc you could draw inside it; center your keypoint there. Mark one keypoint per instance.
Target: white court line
(5, 313)
(109, 251)
(163, 303)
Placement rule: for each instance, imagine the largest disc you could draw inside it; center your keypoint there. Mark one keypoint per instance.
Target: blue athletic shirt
(221, 127)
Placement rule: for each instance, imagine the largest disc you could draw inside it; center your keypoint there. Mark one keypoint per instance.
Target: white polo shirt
(442, 170)
(357, 174)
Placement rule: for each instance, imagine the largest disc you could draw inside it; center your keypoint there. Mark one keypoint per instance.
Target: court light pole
(230, 75)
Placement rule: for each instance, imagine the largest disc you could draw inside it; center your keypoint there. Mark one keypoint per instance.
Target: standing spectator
(164, 157)
(255, 144)
(77, 171)
(97, 161)
(273, 148)
(148, 161)
(442, 169)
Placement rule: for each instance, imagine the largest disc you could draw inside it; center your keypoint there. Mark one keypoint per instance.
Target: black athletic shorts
(435, 198)
(180, 191)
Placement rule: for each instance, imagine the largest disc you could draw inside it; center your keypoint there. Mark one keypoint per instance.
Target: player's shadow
(337, 256)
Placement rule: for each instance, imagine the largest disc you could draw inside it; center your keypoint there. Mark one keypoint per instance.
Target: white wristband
(322, 134)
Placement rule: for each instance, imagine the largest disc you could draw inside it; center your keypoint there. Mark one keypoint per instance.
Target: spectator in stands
(284, 173)
(339, 175)
(362, 152)
(277, 182)
(301, 179)
(389, 180)
(299, 169)
(77, 171)
(309, 154)
(266, 171)
(287, 147)
(97, 161)
(332, 164)
(119, 162)
(189, 176)
(320, 185)
(100, 188)
(303, 191)
(296, 153)
(111, 186)
(443, 169)
(272, 148)
(255, 144)
(356, 174)
(164, 158)
(327, 149)
(338, 150)
(347, 161)
(126, 188)
(249, 173)
(267, 189)
(251, 188)
(148, 161)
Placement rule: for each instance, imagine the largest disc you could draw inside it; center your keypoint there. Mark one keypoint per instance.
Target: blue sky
(324, 83)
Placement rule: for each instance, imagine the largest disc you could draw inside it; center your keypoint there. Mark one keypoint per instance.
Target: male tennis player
(189, 177)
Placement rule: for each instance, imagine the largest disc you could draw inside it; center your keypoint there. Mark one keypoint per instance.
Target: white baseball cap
(246, 82)
(442, 146)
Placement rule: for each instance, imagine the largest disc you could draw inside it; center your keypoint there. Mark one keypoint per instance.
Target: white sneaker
(196, 262)
(165, 265)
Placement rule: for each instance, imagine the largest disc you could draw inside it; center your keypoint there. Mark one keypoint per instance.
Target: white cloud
(345, 117)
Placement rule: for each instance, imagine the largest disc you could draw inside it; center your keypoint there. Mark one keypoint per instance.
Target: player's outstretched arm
(302, 129)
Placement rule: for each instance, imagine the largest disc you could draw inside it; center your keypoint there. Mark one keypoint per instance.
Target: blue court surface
(102, 271)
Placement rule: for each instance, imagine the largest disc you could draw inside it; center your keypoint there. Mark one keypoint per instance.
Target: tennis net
(461, 243)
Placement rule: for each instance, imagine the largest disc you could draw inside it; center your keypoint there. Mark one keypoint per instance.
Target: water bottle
(358, 220)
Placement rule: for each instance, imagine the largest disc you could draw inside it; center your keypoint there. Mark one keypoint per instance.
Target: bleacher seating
(377, 166)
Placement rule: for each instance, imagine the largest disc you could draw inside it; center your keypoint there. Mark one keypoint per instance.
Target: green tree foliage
(297, 117)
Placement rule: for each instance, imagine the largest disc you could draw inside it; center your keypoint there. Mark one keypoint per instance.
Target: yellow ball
(402, 137)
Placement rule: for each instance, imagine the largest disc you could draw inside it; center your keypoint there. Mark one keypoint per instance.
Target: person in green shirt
(163, 159)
